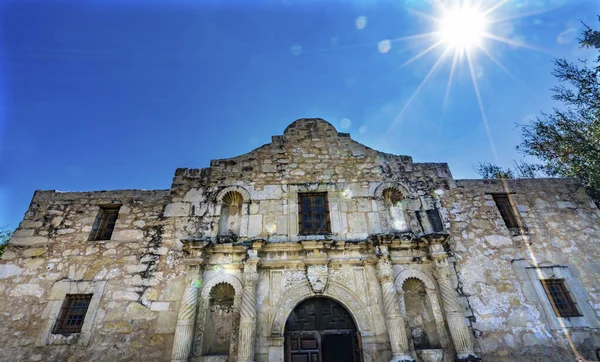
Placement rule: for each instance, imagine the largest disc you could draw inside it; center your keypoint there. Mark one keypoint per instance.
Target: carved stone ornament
(317, 276)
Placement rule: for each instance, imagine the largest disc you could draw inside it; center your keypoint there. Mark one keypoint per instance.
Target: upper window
(314, 213)
(560, 298)
(105, 223)
(507, 211)
(72, 313)
(435, 220)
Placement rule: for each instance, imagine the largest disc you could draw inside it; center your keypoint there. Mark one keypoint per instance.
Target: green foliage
(5, 235)
(489, 171)
(567, 140)
(522, 169)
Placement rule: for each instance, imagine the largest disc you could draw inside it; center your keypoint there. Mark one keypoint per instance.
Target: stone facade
(212, 269)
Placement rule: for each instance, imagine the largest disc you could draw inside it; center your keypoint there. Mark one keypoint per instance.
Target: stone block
(124, 295)
(23, 233)
(166, 322)
(498, 240)
(23, 290)
(255, 225)
(177, 209)
(29, 240)
(8, 255)
(118, 327)
(357, 222)
(128, 235)
(9, 270)
(33, 252)
(160, 306)
(136, 311)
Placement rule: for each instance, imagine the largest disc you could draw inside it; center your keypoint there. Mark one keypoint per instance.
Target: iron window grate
(560, 298)
(314, 213)
(72, 314)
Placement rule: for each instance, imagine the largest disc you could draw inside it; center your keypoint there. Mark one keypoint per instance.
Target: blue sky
(98, 95)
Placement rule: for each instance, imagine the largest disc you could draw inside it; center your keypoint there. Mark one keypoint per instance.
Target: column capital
(385, 273)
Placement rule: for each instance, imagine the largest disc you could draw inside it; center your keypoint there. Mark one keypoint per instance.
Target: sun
(462, 28)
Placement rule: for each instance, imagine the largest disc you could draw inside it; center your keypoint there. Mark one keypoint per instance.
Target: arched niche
(432, 302)
(422, 328)
(220, 320)
(232, 208)
(210, 290)
(395, 213)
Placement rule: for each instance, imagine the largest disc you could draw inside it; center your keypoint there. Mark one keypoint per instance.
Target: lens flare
(463, 28)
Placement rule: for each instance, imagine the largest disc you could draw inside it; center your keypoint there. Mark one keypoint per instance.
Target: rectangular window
(507, 211)
(105, 223)
(560, 298)
(72, 313)
(313, 213)
(435, 220)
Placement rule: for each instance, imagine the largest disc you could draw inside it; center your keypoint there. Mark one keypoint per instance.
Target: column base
(467, 358)
(402, 358)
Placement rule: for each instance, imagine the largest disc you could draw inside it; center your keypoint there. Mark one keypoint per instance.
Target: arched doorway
(321, 330)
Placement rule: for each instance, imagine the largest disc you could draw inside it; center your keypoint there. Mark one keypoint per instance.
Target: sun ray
(493, 8)
(507, 71)
(424, 15)
(416, 36)
(481, 108)
(523, 15)
(412, 97)
(422, 53)
(516, 43)
(449, 85)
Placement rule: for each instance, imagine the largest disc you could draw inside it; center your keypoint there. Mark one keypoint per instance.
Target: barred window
(314, 213)
(560, 298)
(105, 223)
(72, 313)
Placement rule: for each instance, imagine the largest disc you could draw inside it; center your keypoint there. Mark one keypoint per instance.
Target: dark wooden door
(321, 330)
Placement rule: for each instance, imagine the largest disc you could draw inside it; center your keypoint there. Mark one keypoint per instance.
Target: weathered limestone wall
(134, 278)
(512, 316)
(310, 156)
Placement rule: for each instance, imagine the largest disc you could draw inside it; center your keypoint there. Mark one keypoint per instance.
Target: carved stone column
(393, 318)
(459, 332)
(184, 331)
(247, 334)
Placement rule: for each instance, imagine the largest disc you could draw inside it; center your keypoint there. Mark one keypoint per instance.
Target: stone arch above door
(334, 291)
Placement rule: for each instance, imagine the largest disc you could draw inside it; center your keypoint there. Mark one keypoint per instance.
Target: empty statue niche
(219, 321)
(419, 316)
(396, 209)
(231, 214)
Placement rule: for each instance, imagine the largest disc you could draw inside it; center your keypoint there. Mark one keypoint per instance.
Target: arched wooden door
(321, 330)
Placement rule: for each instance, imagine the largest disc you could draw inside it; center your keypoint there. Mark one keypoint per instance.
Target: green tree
(567, 140)
(5, 235)
(521, 169)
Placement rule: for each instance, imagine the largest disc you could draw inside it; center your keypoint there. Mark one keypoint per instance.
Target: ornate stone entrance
(321, 330)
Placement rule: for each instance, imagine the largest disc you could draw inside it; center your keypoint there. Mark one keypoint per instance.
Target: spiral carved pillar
(393, 318)
(247, 334)
(184, 331)
(459, 332)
